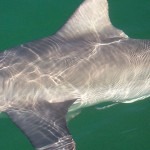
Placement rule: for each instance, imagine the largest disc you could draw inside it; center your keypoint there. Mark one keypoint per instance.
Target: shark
(86, 62)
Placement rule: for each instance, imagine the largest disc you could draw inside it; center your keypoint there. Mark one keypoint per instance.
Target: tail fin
(45, 125)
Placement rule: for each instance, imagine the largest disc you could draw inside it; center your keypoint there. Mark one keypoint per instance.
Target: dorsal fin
(91, 17)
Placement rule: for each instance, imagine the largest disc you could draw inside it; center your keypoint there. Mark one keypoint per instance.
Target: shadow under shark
(86, 62)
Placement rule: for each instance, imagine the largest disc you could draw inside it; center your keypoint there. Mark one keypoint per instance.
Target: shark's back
(42, 79)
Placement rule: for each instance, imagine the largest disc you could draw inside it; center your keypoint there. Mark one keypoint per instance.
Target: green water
(121, 127)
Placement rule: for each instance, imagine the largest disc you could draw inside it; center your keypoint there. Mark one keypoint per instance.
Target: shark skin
(86, 62)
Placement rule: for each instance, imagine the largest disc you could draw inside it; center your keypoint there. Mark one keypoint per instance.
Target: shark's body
(87, 61)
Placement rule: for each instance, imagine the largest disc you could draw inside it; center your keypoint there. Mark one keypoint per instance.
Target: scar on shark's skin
(86, 62)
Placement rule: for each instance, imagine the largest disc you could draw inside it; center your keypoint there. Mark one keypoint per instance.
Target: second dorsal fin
(91, 17)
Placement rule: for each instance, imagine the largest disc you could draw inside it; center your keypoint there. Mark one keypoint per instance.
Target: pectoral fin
(45, 125)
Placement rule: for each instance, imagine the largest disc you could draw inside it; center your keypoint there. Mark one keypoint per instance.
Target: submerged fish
(86, 62)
